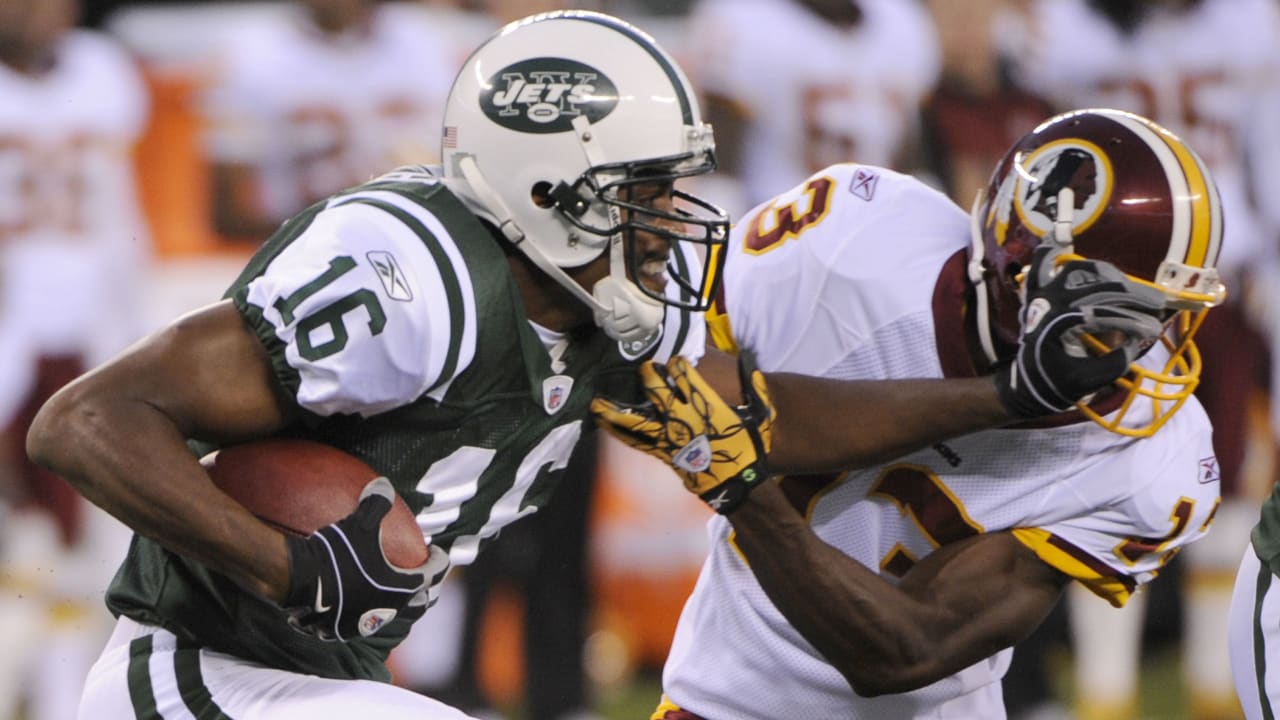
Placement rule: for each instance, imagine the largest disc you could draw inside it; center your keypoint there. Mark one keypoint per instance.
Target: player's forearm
(870, 631)
(959, 604)
(130, 460)
(825, 425)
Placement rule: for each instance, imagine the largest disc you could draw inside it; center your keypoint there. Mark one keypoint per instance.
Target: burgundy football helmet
(1114, 186)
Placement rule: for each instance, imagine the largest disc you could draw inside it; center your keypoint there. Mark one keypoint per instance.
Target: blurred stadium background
(646, 536)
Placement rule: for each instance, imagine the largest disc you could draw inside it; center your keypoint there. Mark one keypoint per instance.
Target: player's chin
(652, 275)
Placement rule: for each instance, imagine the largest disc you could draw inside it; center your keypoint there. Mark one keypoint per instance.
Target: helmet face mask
(1113, 186)
(630, 188)
(550, 127)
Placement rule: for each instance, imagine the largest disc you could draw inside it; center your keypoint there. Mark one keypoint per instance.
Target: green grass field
(1162, 694)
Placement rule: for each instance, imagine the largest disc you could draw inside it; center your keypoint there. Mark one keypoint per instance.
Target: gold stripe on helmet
(1203, 222)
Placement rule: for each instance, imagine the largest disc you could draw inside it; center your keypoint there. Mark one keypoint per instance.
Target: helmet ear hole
(541, 195)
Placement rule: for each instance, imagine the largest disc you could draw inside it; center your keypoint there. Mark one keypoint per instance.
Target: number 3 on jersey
(333, 315)
(776, 223)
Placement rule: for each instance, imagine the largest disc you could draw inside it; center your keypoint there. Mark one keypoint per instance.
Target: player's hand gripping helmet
(549, 123)
(1106, 185)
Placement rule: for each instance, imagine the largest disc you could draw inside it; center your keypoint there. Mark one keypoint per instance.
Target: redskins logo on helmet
(1111, 186)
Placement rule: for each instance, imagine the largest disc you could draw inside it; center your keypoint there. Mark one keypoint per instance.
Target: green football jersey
(392, 320)
(1266, 534)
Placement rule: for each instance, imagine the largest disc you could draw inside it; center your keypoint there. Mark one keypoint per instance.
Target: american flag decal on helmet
(450, 136)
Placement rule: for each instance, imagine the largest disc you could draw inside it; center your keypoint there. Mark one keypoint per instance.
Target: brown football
(300, 486)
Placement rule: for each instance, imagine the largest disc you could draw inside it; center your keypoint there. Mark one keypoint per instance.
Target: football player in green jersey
(449, 327)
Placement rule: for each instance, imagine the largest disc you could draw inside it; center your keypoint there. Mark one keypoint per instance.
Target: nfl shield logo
(555, 391)
(694, 457)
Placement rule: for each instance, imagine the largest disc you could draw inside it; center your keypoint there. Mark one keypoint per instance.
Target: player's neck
(546, 302)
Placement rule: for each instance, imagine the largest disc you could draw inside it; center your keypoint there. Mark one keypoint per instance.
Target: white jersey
(858, 273)
(1199, 72)
(814, 93)
(316, 114)
(72, 237)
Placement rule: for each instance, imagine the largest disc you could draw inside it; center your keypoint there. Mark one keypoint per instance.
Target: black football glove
(342, 587)
(1063, 301)
(718, 450)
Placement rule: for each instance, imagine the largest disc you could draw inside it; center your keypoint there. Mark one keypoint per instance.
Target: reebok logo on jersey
(392, 277)
(864, 184)
(544, 95)
(1209, 472)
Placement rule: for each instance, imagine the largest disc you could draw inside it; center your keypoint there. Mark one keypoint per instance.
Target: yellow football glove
(719, 451)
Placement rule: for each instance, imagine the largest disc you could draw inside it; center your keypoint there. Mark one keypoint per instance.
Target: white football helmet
(548, 121)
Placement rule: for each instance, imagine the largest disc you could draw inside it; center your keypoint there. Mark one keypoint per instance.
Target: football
(300, 486)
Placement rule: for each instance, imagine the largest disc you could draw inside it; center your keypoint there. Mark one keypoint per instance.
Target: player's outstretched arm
(825, 425)
(118, 435)
(960, 604)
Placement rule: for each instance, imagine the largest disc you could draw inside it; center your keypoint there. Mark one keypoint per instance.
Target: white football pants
(1253, 638)
(145, 673)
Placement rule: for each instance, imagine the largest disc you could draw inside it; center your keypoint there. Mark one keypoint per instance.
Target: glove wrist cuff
(730, 494)
(304, 571)
(1020, 404)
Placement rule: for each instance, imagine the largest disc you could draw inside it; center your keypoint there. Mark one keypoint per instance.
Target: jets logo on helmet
(562, 154)
(544, 95)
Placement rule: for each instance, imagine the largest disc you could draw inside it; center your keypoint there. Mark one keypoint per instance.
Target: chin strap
(624, 313)
(633, 316)
(978, 276)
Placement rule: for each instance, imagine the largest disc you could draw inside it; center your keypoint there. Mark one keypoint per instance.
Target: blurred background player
(73, 252)
(974, 112)
(792, 86)
(1197, 67)
(321, 98)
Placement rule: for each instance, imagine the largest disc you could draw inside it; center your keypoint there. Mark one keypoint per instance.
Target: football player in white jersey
(897, 591)
(792, 86)
(450, 328)
(1198, 67)
(320, 99)
(73, 251)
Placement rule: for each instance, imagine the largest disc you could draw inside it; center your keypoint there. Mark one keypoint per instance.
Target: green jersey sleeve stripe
(141, 694)
(449, 278)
